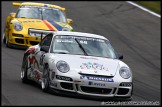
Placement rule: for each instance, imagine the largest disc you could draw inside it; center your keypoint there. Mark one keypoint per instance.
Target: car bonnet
(89, 64)
(43, 24)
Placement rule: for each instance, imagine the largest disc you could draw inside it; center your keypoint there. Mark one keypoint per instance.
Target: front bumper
(88, 87)
(25, 41)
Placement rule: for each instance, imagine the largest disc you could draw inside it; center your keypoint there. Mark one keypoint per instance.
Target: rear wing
(37, 4)
(16, 4)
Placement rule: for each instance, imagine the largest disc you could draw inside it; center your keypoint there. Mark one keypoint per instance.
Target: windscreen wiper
(85, 53)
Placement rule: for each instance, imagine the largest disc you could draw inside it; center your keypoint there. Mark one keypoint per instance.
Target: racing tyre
(45, 79)
(4, 38)
(24, 70)
(7, 43)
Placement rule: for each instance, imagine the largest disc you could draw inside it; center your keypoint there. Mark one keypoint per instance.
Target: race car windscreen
(49, 14)
(82, 46)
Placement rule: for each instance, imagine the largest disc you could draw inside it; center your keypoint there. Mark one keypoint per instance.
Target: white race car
(77, 62)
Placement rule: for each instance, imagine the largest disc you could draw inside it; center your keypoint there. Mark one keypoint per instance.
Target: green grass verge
(151, 5)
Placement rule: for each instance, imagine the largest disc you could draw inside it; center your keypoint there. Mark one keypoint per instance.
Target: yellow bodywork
(36, 4)
(22, 38)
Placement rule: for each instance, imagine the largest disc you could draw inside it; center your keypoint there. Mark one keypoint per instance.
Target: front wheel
(24, 70)
(6, 42)
(45, 79)
(4, 38)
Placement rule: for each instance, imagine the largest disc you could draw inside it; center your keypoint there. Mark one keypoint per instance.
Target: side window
(47, 40)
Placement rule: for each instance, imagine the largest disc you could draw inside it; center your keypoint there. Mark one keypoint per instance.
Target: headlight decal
(125, 72)
(62, 66)
(18, 26)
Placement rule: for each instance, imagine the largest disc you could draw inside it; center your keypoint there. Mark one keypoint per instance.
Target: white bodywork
(96, 76)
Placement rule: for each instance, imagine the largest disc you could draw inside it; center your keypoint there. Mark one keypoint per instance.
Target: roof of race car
(79, 34)
(37, 4)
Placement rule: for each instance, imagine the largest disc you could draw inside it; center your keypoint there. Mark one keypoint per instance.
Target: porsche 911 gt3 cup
(77, 62)
(31, 16)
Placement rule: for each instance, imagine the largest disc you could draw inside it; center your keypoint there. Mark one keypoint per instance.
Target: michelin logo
(97, 78)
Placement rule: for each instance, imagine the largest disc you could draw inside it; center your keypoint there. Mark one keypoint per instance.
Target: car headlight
(125, 72)
(65, 29)
(18, 26)
(62, 66)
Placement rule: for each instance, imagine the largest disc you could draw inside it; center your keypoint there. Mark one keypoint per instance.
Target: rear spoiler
(37, 4)
(16, 4)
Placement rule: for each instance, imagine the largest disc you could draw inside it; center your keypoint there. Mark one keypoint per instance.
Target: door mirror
(12, 15)
(120, 56)
(44, 48)
(70, 21)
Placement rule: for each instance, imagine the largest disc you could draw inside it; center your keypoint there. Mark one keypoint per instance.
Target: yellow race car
(33, 21)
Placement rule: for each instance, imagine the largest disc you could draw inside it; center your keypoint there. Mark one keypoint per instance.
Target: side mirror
(70, 21)
(44, 48)
(120, 56)
(12, 15)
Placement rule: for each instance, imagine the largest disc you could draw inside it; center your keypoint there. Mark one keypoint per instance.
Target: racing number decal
(41, 59)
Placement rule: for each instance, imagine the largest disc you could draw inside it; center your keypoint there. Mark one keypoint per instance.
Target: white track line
(153, 13)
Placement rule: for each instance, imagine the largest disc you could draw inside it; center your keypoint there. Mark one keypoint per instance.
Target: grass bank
(151, 5)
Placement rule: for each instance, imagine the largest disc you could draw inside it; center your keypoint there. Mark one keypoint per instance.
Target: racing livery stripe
(48, 25)
(59, 28)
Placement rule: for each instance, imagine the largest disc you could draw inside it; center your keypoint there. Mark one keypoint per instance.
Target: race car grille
(21, 41)
(123, 91)
(33, 43)
(94, 90)
(65, 85)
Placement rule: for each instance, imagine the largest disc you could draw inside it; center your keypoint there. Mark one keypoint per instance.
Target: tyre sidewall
(45, 79)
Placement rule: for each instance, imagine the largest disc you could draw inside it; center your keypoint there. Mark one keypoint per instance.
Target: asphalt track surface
(132, 32)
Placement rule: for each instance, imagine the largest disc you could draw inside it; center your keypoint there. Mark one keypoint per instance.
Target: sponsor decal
(96, 84)
(81, 39)
(97, 78)
(94, 66)
(67, 41)
(31, 21)
(88, 58)
(83, 42)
